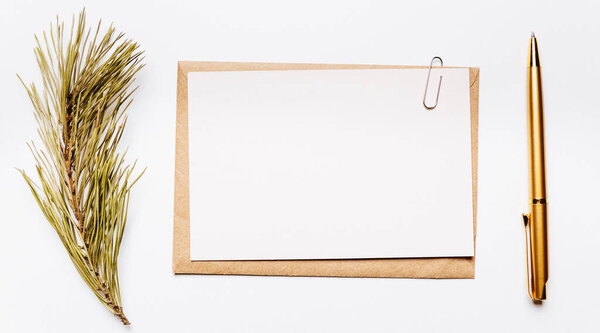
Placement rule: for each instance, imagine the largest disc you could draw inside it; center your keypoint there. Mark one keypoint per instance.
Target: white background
(40, 291)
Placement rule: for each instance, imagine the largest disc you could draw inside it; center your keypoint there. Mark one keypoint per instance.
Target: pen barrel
(535, 129)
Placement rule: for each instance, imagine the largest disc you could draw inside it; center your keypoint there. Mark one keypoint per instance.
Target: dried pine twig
(84, 181)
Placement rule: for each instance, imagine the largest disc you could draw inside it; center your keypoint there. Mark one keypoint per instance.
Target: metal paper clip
(437, 98)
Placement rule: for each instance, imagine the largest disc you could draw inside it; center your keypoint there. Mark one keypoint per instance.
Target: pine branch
(84, 181)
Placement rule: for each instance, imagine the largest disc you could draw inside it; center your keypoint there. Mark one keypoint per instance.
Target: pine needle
(84, 181)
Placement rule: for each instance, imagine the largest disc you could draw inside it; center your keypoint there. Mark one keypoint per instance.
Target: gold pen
(536, 222)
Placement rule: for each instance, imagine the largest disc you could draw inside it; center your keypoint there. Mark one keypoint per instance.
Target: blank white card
(329, 164)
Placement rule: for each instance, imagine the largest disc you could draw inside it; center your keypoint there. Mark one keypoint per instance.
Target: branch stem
(115, 308)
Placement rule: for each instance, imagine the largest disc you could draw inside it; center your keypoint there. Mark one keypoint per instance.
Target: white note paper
(329, 164)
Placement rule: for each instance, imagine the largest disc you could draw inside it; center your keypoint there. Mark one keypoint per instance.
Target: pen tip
(532, 35)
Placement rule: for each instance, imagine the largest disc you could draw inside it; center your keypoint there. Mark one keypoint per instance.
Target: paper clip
(437, 98)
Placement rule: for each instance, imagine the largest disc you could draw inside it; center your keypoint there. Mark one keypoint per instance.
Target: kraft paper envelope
(457, 267)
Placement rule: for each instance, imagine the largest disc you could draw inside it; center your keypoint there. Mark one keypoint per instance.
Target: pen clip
(528, 254)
